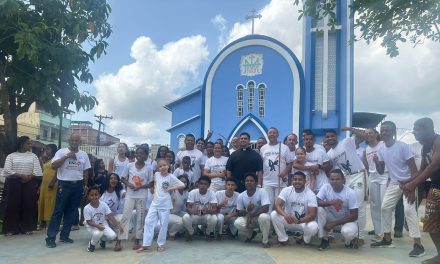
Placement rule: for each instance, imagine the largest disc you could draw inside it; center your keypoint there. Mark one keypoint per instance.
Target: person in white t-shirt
(227, 208)
(119, 162)
(235, 144)
(291, 141)
(253, 211)
(72, 165)
(112, 193)
(164, 184)
(277, 163)
(343, 156)
(185, 169)
(378, 182)
(215, 168)
(201, 209)
(295, 210)
(197, 158)
(397, 157)
(319, 159)
(179, 197)
(306, 167)
(95, 220)
(337, 207)
(137, 177)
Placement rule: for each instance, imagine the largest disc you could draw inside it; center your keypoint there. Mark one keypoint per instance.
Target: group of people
(210, 189)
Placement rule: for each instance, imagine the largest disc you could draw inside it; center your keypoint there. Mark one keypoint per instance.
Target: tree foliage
(390, 21)
(45, 50)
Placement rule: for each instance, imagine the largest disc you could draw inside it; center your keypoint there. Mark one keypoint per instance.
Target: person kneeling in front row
(201, 209)
(253, 207)
(295, 210)
(337, 207)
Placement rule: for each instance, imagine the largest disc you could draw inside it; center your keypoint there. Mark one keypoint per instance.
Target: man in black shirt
(242, 161)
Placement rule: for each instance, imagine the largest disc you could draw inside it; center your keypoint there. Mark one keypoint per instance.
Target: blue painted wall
(278, 94)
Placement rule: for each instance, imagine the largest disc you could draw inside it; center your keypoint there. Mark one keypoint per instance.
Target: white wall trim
(258, 42)
(243, 122)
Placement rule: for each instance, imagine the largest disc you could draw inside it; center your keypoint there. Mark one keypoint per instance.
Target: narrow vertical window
(240, 100)
(251, 96)
(261, 97)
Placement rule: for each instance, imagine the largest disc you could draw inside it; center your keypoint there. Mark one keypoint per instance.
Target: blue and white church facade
(257, 82)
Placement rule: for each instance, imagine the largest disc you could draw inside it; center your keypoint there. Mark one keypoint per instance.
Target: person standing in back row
(399, 160)
(71, 164)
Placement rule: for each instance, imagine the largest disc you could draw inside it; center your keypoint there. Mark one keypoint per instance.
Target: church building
(257, 82)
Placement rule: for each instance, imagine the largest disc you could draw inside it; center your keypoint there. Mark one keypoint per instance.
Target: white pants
(357, 182)
(348, 230)
(106, 234)
(130, 203)
(280, 224)
(217, 186)
(209, 220)
(263, 223)
(221, 223)
(392, 196)
(272, 193)
(154, 215)
(118, 218)
(377, 193)
(175, 224)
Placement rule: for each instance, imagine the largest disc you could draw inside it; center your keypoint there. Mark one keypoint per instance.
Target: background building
(89, 135)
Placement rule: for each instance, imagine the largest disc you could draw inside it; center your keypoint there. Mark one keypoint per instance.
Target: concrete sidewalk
(32, 249)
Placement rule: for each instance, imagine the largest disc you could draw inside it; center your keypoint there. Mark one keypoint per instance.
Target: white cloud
(220, 22)
(136, 94)
(279, 19)
(405, 88)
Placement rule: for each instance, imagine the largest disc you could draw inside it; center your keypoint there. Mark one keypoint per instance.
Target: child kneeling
(95, 220)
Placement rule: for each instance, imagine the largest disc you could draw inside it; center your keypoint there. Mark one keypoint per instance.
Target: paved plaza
(32, 249)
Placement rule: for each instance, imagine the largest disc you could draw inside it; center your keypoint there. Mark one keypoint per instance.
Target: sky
(160, 50)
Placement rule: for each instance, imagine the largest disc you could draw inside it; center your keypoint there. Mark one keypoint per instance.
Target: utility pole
(99, 120)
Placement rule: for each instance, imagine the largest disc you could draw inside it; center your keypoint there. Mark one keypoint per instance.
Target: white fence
(102, 152)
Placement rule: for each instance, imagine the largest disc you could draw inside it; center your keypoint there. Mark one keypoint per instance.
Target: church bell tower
(328, 68)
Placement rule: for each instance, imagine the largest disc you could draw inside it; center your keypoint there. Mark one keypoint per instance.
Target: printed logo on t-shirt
(110, 203)
(296, 209)
(165, 186)
(73, 164)
(137, 181)
(98, 218)
(272, 165)
(343, 163)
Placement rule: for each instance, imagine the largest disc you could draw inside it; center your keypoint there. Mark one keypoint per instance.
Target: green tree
(45, 50)
(390, 21)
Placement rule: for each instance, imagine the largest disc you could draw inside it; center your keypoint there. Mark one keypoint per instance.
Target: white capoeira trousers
(281, 226)
(262, 222)
(392, 196)
(348, 230)
(107, 234)
(357, 182)
(175, 224)
(154, 215)
(272, 193)
(221, 223)
(130, 204)
(209, 220)
(377, 193)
